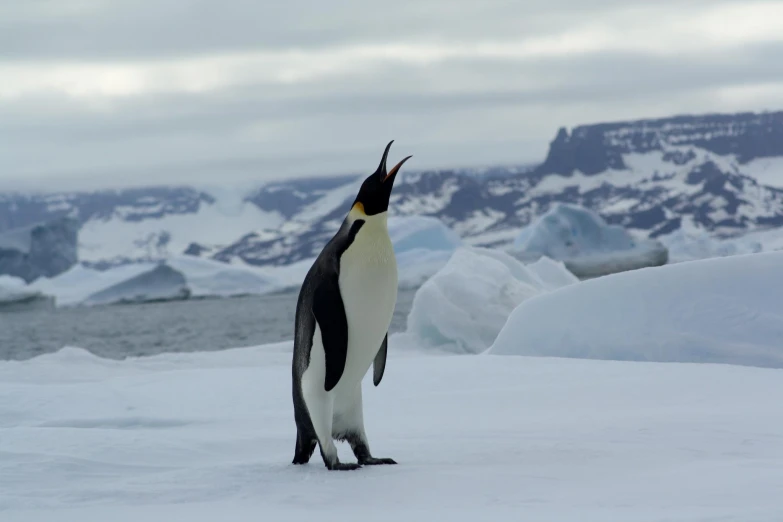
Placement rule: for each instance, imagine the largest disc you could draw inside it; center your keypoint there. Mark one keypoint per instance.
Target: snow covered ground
(209, 436)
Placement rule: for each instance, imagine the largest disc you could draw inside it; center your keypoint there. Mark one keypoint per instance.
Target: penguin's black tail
(305, 447)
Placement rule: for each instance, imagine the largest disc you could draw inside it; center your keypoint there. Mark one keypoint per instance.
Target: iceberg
(162, 283)
(587, 245)
(209, 278)
(16, 296)
(695, 244)
(422, 245)
(466, 303)
(421, 233)
(720, 310)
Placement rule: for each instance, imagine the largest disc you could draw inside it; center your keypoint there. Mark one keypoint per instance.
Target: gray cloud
(475, 83)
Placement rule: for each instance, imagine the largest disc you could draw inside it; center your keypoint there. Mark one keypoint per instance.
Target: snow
(209, 436)
(157, 238)
(464, 305)
(589, 246)
(767, 171)
(330, 201)
(18, 239)
(721, 310)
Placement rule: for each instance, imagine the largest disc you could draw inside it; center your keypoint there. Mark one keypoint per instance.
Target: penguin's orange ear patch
(359, 207)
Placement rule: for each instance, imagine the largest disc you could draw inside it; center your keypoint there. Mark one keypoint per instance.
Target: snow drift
(723, 310)
(587, 245)
(465, 304)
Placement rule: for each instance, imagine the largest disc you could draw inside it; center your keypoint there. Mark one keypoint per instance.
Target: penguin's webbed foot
(372, 461)
(343, 466)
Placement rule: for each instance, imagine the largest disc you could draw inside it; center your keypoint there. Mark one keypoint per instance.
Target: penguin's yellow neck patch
(359, 208)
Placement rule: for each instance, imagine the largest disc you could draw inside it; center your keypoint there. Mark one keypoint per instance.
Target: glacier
(587, 245)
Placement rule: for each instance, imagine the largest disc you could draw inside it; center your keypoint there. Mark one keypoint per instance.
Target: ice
(206, 277)
(721, 310)
(465, 304)
(15, 295)
(586, 243)
(690, 245)
(9, 283)
(73, 286)
(422, 245)
(417, 265)
(209, 436)
(421, 232)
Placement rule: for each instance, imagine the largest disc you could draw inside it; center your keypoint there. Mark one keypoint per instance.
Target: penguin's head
(373, 196)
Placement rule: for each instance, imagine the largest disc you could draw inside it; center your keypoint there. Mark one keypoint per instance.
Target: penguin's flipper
(380, 362)
(329, 312)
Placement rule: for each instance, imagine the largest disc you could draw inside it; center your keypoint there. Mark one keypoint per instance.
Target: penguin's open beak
(394, 169)
(382, 167)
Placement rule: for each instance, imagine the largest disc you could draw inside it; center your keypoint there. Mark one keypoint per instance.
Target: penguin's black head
(373, 196)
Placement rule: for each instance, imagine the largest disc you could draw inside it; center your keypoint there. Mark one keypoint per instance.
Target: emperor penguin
(343, 314)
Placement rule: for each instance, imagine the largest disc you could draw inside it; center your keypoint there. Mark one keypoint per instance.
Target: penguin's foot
(344, 466)
(372, 461)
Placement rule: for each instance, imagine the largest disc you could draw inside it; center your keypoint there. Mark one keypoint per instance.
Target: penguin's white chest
(368, 286)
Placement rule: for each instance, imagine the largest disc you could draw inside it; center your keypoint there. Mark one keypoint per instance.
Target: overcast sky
(117, 92)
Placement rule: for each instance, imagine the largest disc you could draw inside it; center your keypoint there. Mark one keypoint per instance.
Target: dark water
(147, 329)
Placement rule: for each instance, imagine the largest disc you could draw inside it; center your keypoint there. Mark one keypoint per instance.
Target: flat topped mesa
(343, 314)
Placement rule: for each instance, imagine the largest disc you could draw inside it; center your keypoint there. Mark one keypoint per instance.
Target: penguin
(343, 313)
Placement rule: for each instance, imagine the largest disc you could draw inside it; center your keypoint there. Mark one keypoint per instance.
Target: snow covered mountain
(722, 174)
